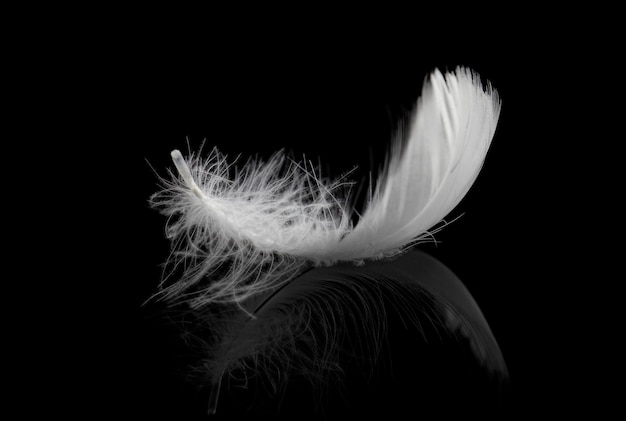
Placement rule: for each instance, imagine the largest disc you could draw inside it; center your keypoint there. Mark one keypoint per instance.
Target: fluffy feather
(245, 237)
(252, 232)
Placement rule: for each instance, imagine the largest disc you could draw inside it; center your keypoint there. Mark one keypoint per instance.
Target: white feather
(260, 228)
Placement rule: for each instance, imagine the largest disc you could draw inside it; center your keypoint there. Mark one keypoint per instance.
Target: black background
(132, 100)
(342, 112)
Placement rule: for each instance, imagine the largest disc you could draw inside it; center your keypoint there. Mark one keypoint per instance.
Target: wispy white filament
(246, 231)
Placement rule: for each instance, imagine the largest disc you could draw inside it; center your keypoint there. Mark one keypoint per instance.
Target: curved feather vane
(427, 177)
(249, 233)
(303, 328)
